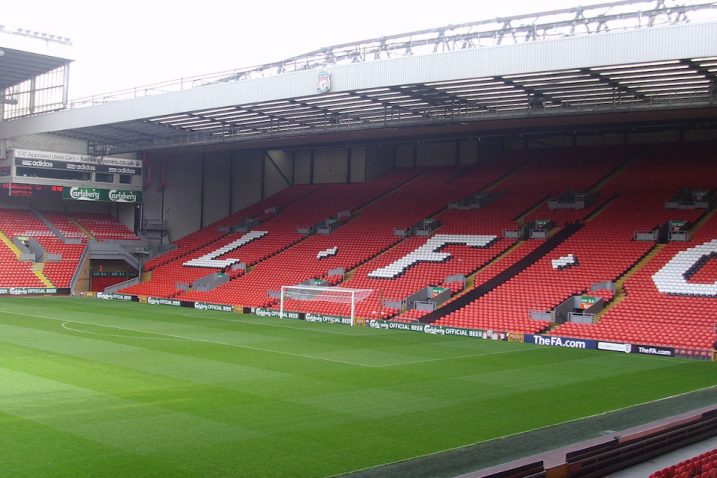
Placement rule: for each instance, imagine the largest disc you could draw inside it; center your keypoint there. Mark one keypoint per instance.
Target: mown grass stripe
(242, 397)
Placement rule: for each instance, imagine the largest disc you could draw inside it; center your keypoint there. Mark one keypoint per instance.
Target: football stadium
(486, 249)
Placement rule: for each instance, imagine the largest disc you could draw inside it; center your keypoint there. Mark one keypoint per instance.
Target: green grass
(94, 388)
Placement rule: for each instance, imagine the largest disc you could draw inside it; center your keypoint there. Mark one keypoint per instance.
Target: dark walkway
(549, 444)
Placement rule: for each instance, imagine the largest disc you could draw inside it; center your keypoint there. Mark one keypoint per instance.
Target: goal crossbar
(323, 294)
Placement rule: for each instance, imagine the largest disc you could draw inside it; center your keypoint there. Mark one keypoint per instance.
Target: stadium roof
(25, 54)
(17, 66)
(461, 83)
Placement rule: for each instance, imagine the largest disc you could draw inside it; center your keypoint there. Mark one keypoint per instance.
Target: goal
(338, 295)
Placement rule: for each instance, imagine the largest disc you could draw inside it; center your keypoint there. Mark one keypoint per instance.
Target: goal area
(309, 293)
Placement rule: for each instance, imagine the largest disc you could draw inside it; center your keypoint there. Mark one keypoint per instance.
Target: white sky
(119, 45)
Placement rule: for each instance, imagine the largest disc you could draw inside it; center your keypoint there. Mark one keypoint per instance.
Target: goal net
(338, 295)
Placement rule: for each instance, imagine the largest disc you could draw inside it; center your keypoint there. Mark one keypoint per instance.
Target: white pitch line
(64, 326)
(247, 347)
(267, 324)
(194, 339)
(458, 357)
(413, 362)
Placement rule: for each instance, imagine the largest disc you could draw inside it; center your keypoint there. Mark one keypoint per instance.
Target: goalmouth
(338, 295)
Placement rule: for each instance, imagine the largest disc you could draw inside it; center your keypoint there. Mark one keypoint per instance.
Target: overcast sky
(119, 45)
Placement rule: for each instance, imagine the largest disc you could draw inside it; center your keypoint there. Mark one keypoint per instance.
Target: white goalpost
(338, 295)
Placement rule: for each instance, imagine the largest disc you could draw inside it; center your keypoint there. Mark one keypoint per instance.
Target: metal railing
(587, 20)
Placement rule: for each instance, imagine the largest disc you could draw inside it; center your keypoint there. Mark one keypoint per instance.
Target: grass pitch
(94, 388)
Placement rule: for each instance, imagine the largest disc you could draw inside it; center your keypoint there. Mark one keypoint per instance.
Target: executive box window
(104, 177)
(125, 178)
(53, 174)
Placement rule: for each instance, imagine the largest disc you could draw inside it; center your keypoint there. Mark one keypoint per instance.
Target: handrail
(567, 22)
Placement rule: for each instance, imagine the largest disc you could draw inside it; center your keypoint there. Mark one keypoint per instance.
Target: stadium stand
(64, 224)
(309, 207)
(605, 246)
(643, 313)
(623, 190)
(21, 222)
(104, 227)
(16, 273)
(520, 192)
(701, 466)
(61, 261)
(360, 239)
(60, 272)
(60, 257)
(205, 236)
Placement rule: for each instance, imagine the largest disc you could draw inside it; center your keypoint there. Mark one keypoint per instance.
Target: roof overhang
(17, 66)
(25, 55)
(602, 75)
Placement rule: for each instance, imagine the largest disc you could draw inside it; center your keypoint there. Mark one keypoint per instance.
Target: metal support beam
(263, 177)
(231, 183)
(536, 98)
(311, 166)
(348, 165)
(65, 84)
(31, 95)
(201, 190)
(693, 65)
(615, 85)
(293, 166)
(278, 169)
(427, 94)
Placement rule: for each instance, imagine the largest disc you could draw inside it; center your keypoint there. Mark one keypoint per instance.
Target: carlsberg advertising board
(105, 195)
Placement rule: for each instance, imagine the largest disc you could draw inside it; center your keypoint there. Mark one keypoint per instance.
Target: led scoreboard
(38, 191)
